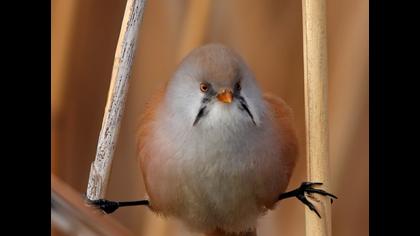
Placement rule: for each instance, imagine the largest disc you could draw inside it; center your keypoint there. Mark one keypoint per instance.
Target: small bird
(214, 151)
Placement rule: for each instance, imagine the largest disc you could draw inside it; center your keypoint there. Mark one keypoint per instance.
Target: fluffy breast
(224, 173)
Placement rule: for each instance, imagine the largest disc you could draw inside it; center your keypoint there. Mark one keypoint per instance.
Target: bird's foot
(304, 190)
(106, 206)
(311, 196)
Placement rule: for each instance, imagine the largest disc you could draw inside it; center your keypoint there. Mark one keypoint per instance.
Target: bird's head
(213, 85)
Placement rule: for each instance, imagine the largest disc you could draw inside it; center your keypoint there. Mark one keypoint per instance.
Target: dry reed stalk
(101, 167)
(316, 112)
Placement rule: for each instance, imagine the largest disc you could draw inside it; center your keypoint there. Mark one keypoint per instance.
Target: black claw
(320, 191)
(105, 205)
(310, 184)
(306, 187)
(305, 201)
(108, 206)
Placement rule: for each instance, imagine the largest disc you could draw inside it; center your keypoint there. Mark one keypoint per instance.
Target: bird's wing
(144, 129)
(283, 120)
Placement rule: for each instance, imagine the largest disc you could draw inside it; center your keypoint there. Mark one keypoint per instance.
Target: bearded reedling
(214, 152)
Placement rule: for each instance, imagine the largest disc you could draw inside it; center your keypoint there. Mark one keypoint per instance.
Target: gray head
(213, 84)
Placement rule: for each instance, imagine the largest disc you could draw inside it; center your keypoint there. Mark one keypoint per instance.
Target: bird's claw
(306, 187)
(311, 196)
(104, 205)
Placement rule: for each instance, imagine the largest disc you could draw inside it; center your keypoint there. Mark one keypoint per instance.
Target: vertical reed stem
(316, 84)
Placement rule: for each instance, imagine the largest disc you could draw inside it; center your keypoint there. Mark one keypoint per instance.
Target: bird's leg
(108, 206)
(306, 188)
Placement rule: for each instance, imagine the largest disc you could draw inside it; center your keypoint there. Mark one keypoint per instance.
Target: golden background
(268, 34)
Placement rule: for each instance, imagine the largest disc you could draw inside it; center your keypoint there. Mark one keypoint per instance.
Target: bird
(214, 151)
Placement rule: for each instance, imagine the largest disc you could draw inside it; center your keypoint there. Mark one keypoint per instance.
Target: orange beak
(225, 96)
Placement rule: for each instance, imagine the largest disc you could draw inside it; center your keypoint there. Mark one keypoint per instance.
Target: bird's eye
(204, 87)
(238, 86)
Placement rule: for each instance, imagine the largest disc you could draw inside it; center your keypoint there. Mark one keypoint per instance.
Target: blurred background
(268, 34)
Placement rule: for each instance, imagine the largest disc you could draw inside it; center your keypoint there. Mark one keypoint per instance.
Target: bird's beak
(225, 96)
